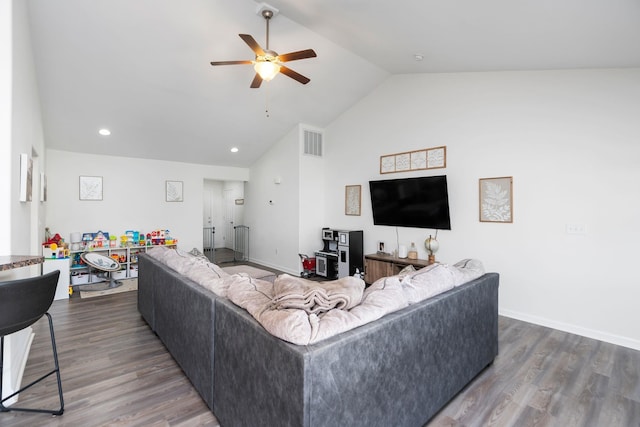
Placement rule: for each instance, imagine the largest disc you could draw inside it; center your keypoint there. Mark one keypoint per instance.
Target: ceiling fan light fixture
(268, 63)
(267, 69)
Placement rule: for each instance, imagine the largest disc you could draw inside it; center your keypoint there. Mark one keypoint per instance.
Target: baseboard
(573, 329)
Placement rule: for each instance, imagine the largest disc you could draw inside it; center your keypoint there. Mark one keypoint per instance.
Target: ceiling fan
(268, 63)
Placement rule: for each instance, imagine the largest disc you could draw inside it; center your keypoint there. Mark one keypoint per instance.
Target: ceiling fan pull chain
(266, 102)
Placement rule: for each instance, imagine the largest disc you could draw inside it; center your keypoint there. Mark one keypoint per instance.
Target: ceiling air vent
(312, 143)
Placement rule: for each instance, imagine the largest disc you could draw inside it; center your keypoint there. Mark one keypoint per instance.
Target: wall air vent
(312, 143)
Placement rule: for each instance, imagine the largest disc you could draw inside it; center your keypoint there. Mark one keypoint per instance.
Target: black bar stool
(22, 303)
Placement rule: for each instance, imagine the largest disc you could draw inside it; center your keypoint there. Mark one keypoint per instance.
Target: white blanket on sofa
(300, 327)
(317, 297)
(386, 295)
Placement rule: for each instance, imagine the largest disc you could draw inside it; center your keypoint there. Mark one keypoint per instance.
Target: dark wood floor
(116, 372)
(225, 257)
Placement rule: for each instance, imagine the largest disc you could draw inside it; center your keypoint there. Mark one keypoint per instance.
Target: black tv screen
(411, 202)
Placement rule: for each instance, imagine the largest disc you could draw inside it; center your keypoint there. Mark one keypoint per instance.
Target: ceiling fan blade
(295, 76)
(301, 54)
(253, 44)
(257, 81)
(231, 62)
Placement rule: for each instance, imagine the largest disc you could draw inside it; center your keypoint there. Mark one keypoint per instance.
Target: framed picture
(26, 178)
(352, 199)
(428, 158)
(380, 250)
(387, 164)
(403, 162)
(496, 199)
(437, 157)
(173, 191)
(419, 160)
(90, 188)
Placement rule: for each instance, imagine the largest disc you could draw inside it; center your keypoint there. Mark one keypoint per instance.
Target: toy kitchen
(341, 255)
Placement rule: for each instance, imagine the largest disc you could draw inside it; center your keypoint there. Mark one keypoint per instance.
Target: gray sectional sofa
(399, 370)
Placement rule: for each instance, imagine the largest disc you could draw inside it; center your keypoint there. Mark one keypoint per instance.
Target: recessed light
(234, 149)
(104, 132)
(418, 57)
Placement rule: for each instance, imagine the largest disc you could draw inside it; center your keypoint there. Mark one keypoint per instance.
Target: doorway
(221, 214)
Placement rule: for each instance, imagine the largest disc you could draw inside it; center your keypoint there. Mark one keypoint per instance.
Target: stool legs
(56, 371)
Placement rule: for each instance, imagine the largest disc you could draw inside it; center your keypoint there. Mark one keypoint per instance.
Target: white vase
(402, 251)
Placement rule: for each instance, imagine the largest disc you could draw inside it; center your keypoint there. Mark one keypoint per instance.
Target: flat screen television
(411, 202)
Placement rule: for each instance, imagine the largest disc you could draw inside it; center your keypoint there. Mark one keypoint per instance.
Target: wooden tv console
(377, 266)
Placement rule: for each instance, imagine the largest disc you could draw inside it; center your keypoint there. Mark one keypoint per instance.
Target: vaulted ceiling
(141, 67)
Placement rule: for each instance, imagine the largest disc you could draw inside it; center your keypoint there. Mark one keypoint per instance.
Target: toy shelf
(81, 274)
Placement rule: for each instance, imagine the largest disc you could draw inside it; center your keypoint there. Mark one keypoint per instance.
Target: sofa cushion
(196, 268)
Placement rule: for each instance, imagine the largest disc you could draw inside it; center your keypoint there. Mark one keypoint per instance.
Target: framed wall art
(418, 159)
(403, 162)
(437, 157)
(352, 199)
(26, 178)
(496, 199)
(174, 191)
(387, 164)
(90, 188)
(429, 158)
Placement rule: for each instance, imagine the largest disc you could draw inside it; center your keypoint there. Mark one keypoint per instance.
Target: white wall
(272, 210)
(6, 159)
(20, 132)
(133, 195)
(27, 137)
(311, 196)
(570, 141)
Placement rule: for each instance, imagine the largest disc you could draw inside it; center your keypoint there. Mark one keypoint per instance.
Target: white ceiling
(141, 67)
